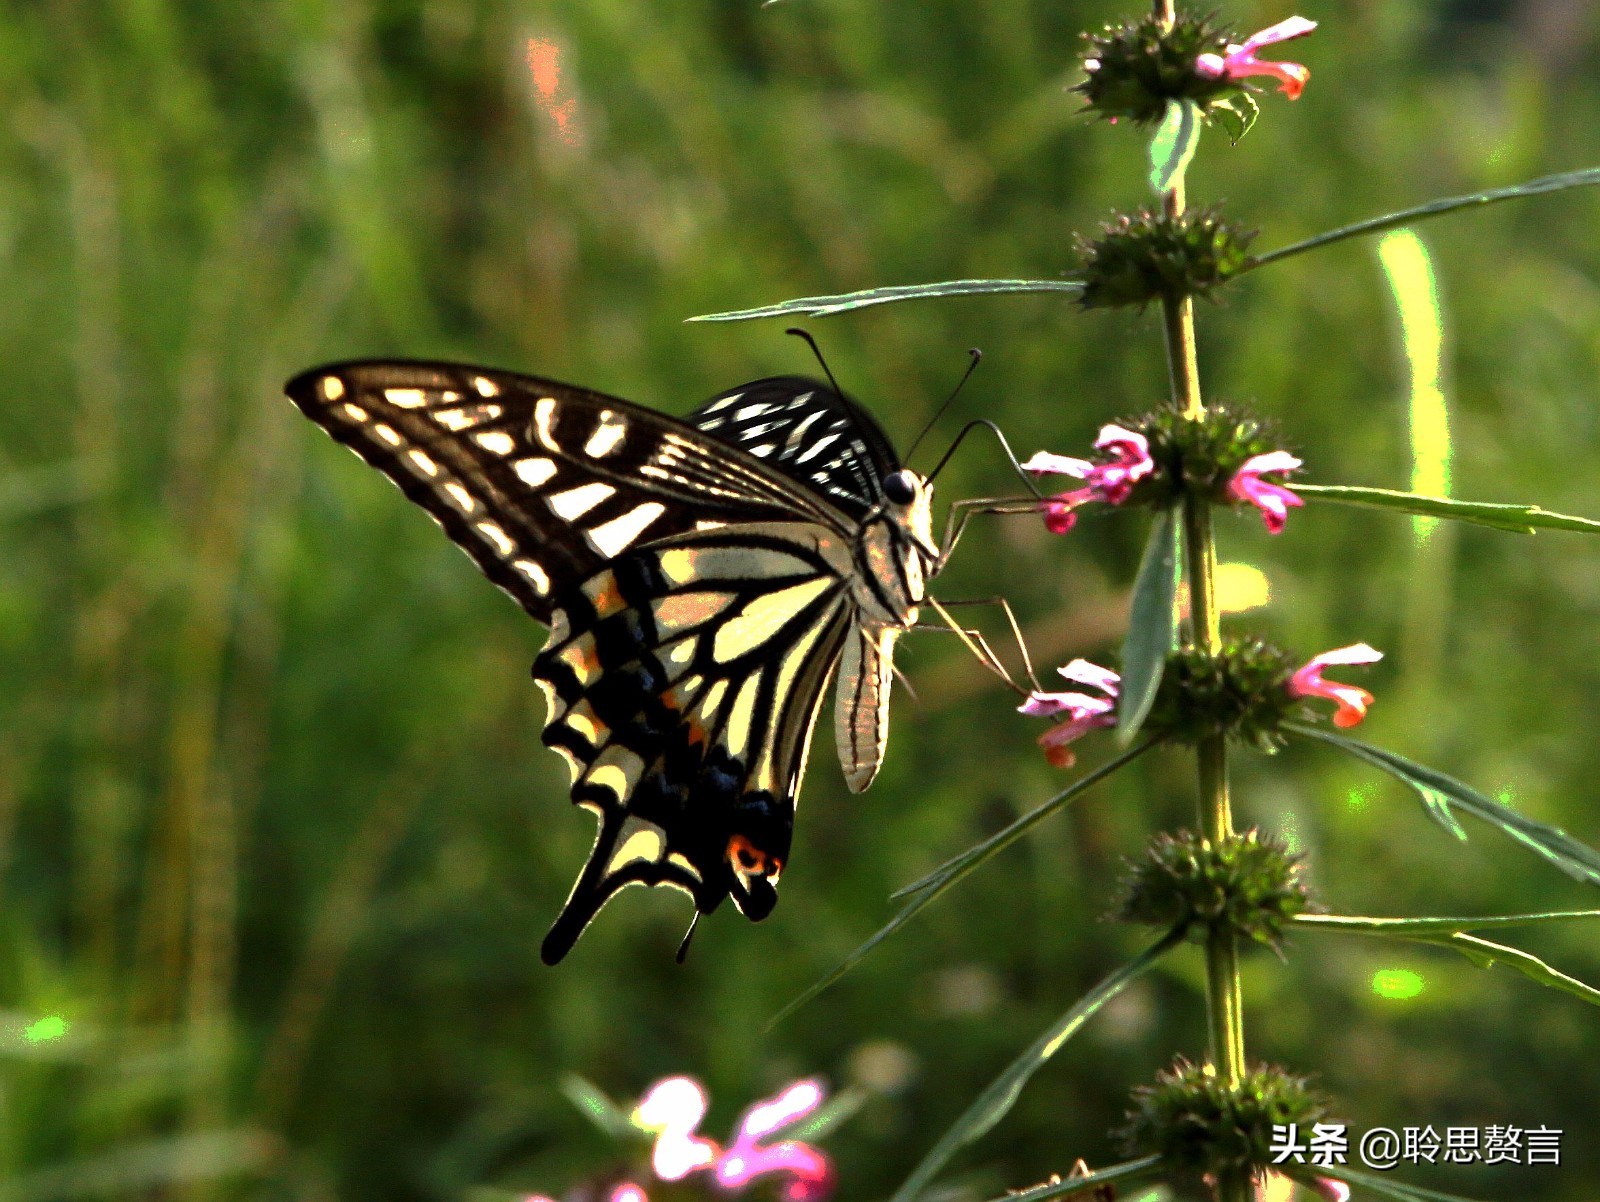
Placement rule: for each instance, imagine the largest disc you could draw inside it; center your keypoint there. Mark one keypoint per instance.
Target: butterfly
(702, 579)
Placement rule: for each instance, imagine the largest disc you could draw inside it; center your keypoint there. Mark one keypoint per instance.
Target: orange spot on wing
(747, 859)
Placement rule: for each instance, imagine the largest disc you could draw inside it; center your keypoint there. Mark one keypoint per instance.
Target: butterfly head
(908, 503)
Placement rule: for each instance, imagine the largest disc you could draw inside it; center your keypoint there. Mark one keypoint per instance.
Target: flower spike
(1273, 500)
(1238, 62)
(1352, 702)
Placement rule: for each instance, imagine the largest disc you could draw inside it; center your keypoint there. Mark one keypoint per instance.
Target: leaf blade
(826, 306)
(1173, 145)
(1439, 792)
(992, 1104)
(929, 887)
(1435, 208)
(1518, 519)
(1152, 625)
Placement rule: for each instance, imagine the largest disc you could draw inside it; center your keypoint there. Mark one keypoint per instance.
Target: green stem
(1224, 1005)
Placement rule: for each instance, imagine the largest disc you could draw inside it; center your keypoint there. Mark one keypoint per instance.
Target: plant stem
(1223, 998)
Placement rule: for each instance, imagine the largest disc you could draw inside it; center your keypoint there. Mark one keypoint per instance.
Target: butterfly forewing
(539, 482)
(808, 432)
(701, 580)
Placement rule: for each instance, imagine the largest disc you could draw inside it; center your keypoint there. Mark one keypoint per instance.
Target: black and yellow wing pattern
(701, 579)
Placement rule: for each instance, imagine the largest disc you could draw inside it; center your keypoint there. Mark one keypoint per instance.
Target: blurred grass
(276, 835)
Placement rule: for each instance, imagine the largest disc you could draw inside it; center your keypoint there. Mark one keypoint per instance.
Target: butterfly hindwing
(684, 682)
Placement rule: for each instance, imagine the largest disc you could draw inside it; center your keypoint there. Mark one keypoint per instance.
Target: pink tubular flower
(810, 1174)
(1273, 500)
(1087, 712)
(672, 1108)
(1352, 702)
(1110, 482)
(1237, 62)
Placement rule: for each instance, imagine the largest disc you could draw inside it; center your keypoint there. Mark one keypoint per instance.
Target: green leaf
(1235, 116)
(1386, 1186)
(1405, 928)
(824, 306)
(1440, 792)
(947, 874)
(1519, 519)
(1486, 953)
(1450, 932)
(1436, 208)
(1129, 1172)
(1152, 625)
(1173, 145)
(993, 1103)
(597, 1107)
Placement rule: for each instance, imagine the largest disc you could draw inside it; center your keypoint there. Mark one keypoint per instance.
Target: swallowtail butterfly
(701, 579)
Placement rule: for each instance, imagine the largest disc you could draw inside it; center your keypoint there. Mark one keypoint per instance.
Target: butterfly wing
(540, 482)
(808, 432)
(694, 575)
(684, 681)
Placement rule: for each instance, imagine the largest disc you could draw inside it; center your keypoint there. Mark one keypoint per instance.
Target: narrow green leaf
(1441, 933)
(947, 874)
(1485, 954)
(1386, 1186)
(1174, 144)
(1127, 1173)
(993, 1103)
(957, 867)
(824, 306)
(1439, 792)
(1152, 625)
(1402, 928)
(1519, 519)
(1235, 116)
(1435, 208)
(597, 1107)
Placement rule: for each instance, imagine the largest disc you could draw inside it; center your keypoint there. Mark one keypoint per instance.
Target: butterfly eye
(899, 488)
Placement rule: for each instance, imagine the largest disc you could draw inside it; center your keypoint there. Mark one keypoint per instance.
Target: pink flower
(1087, 712)
(1352, 702)
(1111, 482)
(673, 1108)
(1237, 62)
(810, 1174)
(1273, 500)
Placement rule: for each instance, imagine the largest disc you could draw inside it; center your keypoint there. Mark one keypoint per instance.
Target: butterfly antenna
(986, 424)
(817, 351)
(977, 358)
(683, 948)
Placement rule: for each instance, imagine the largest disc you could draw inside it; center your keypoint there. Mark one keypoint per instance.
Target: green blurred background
(277, 838)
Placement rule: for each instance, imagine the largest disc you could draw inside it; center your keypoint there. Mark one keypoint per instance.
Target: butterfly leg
(962, 512)
(1013, 624)
(976, 643)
